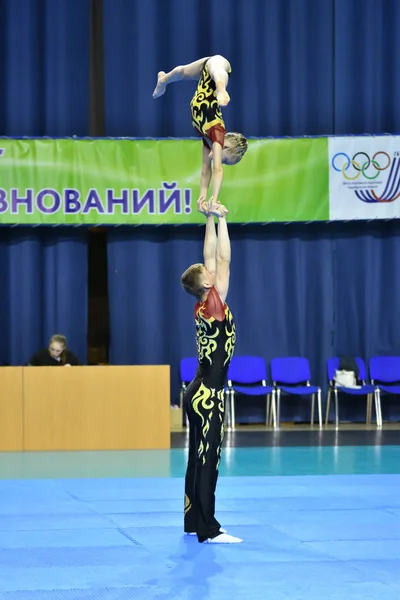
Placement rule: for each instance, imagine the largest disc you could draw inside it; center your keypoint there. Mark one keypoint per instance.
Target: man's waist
(215, 372)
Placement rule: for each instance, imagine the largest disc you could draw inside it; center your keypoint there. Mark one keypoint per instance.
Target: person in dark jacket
(56, 355)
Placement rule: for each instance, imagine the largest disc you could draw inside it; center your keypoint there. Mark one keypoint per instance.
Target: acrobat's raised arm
(223, 254)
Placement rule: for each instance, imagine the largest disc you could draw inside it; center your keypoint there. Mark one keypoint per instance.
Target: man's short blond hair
(192, 280)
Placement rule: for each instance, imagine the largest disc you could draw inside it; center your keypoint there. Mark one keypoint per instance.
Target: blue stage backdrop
(314, 291)
(300, 67)
(43, 278)
(44, 67)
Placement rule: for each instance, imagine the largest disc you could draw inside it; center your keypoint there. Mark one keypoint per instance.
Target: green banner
(93, 182)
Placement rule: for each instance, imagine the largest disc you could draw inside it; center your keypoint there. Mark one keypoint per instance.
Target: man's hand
(216, 208)
(211, 207)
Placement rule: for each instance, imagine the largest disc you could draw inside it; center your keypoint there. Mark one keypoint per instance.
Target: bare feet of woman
(223, 98)
(161, 85)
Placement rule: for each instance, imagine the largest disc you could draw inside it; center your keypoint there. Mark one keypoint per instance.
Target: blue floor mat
(306, 537)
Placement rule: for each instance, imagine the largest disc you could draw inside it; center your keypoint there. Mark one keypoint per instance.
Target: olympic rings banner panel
(122, 181)
(364, 177)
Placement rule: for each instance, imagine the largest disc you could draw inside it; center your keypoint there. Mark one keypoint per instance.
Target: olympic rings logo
(361, 166)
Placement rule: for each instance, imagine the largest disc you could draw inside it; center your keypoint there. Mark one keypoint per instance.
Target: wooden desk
(96, 408)
(11, 428)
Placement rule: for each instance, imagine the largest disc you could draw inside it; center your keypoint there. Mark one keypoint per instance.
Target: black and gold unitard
(206, 112)
(204, 404)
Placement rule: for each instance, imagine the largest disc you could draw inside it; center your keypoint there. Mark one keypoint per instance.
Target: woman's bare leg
(219, 68)
(190, 71)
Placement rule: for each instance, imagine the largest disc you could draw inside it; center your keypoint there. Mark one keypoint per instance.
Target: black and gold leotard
(215, 339)
(204, 107)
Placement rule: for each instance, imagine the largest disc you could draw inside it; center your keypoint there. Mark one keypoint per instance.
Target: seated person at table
(56, 355)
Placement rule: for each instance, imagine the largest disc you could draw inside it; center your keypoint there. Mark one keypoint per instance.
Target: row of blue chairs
(292, 376)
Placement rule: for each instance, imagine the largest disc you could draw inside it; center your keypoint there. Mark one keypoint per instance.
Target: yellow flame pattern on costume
(204, 106)
(203, 396)
(230, 332)
(206, 336)
(203, 402)
(188, 504)
(207, 333)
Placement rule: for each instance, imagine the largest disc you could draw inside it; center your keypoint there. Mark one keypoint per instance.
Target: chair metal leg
(273, 420)
(272, 411)
(328, 406)
(371, 402)
(319, 408)
(226, 411)
(368, 418)
(232, 411)
(278, 409)
(267, 410)
(376, 394)
(378, 409)
(336, 409)
(312, 408)
(273, 408)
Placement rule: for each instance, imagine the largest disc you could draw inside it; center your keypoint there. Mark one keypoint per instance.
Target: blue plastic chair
(363, 389)
(292, 375)
(385, 370)
(248, 375)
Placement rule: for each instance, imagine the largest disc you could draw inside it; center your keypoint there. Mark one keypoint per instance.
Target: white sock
(223, 538)
(222, 530)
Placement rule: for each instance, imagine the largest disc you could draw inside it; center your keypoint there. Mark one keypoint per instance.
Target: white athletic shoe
(223, 538)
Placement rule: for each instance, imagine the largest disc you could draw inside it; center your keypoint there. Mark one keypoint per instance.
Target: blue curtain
(367, 296)
(300, 67)
(280, 50)
(44, 67)
(367, 78)
(314, 291)
(43, 278)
